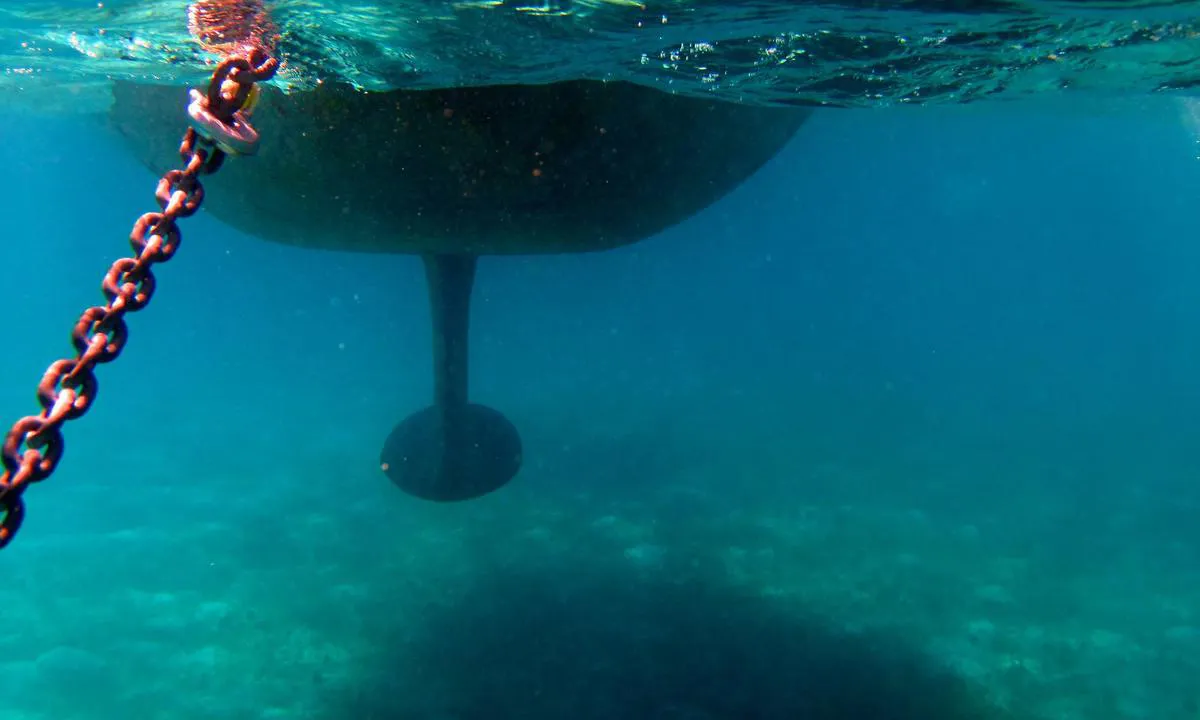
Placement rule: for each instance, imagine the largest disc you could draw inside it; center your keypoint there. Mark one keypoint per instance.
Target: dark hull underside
(568, 167)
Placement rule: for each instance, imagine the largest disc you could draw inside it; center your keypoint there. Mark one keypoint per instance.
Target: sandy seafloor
(671, 603)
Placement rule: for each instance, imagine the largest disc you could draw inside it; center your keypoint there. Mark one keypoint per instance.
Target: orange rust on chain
(34, 445)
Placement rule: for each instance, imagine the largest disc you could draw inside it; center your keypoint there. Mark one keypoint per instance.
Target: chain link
(34, 445)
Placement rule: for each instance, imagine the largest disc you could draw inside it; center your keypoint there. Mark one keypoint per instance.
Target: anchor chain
(220, 125)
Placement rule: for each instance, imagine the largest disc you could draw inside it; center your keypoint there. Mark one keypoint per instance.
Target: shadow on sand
(601, 642)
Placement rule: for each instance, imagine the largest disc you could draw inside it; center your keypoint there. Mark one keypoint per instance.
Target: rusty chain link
(220, 125)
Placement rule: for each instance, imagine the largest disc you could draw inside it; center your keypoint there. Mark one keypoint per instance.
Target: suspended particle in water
(1191, 117)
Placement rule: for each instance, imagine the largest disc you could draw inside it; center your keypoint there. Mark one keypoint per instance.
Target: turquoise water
(902, 428)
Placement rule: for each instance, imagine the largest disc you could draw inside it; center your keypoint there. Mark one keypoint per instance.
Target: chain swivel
(234, 137)
(221, 115)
